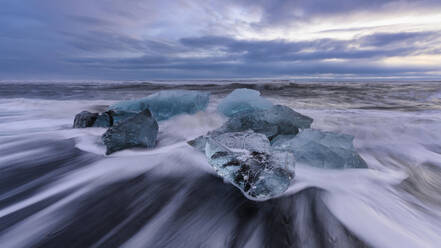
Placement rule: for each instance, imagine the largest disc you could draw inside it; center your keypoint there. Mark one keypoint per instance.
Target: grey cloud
(280, 50)
(91, 38)
(383, 39)
(241, 58)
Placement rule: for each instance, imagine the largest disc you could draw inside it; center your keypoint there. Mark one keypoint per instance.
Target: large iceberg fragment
(139, 130)
(246, 160)
(277, 120)
(321, 149)
(165, 104)
(241, 100)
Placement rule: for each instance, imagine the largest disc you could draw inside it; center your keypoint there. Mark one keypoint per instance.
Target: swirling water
(57, 189)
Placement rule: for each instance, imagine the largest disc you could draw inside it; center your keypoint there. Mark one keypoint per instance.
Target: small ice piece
(166, 104)
(246, 160)
(274, 121)
(106, 119)
(243, 100)
(140, 130)
(84, 119)
(322, 149)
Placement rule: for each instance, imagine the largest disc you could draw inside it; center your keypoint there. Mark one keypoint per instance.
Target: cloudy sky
(184, 39)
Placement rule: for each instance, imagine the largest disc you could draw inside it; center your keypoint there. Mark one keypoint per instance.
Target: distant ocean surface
(58, 189)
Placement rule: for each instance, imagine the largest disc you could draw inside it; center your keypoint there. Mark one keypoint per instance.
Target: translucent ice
(247, 160)
(140, 130)
(104, 120)
(165, 104)
(274, 121)
(321, 149)
(118, 116)
(279, 139)
(243, 100)
(249, 141)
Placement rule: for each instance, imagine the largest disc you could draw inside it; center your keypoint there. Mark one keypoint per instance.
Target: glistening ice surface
(57, 189)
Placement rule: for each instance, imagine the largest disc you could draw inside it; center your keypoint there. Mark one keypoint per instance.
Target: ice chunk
(106, 119)
(118, 116)
(322, 149)
(247, 160)
(227, 138)
(140, 130)
(165, 104)
(240, 141)
(243, 100)
(282, 138)
(84, 119)
(274, 121)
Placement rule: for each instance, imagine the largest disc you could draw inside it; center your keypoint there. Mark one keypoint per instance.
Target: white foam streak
(367, 202)
(30, 230)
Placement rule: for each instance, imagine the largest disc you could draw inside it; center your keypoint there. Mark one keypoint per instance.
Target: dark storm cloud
(224, 68)
(134, 39)
(247, 58)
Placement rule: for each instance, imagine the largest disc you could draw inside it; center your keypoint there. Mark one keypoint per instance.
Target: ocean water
(58, 189)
